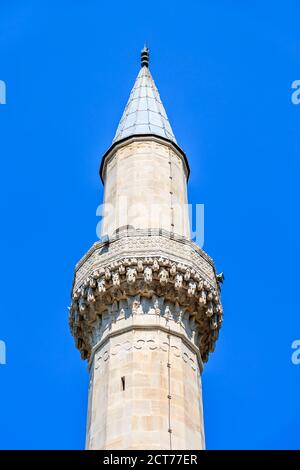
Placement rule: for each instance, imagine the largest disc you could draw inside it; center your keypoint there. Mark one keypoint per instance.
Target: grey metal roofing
(144, 112)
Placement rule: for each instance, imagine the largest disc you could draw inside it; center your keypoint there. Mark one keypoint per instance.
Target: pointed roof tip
(144, 113)
(145, 56)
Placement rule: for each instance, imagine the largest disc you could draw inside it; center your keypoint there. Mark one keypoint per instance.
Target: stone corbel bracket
(112, 279)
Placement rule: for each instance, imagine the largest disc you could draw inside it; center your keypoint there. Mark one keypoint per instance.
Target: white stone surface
(145, 187)
(162, 392)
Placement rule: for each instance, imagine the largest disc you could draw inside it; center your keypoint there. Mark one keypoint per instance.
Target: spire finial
(145, 56)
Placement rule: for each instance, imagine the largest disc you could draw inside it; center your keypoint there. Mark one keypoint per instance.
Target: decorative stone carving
(131, 275)
(173, 270)
(140, 266)
(192, 289)
(90, 296)
(101, 286)
(139, 243)
(142, 342)
(148, 278)
(116, 279)
(186, 290)
(178, 282)
(163, 277)
(122, 269)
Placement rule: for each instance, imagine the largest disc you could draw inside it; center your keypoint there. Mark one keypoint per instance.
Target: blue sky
(224, 71)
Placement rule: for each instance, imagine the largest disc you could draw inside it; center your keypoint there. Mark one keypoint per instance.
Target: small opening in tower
(123, 383)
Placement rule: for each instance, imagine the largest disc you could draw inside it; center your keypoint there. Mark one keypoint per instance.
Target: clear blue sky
(224, 71)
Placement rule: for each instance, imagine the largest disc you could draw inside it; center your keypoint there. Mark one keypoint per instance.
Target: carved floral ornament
(146, 277)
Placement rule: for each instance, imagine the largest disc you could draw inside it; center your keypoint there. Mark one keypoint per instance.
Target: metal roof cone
(144, 112)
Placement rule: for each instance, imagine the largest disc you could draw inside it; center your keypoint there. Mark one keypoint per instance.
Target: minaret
(145, 308)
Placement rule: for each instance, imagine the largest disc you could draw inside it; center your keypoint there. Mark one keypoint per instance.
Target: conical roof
(144, 112)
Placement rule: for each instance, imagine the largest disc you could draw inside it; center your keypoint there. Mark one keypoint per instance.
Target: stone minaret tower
(145, 308)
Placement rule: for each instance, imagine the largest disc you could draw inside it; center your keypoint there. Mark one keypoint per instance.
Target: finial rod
(145, 57)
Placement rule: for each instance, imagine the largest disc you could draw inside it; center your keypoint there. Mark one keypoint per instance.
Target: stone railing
(116, 276)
